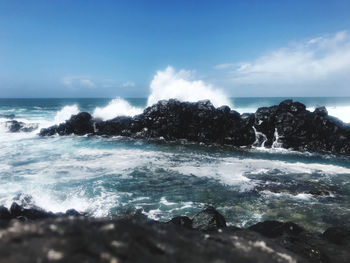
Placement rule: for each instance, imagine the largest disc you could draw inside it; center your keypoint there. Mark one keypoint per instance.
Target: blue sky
(115, 48)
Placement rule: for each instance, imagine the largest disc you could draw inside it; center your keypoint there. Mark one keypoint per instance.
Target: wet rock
(7, 116)
(72, 212)
(16, 126)
(34, 213)
(4, 213)
(79, 124)
(300, 129)
(289, 125)
(208, 219)
(171, 120)
(274, 229)
(103, 240)
(338, 235)
(182, 221)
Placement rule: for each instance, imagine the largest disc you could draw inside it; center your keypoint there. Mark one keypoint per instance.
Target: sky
(116, 48)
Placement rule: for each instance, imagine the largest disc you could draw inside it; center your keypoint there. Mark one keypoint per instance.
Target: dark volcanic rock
(4, 213)
(172, 120)
(16, 126)
(276, 229)
(7, 116)
(97, 240)
(133, 239)
(338, 235)
(79, 124)
(208, 219)
(183, 221)
(287, 125)
(300, 129)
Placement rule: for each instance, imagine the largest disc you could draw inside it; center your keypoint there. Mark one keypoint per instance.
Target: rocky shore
(34, 235)
(289, 125)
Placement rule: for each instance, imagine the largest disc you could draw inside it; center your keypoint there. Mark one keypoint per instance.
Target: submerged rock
(16, 126)
(7, 116)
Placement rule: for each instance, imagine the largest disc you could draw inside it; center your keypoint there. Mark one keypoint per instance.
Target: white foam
(340, 112)
(65, 113)
(169, 84)
(117, 107)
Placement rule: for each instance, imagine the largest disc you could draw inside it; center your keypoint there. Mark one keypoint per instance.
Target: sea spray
(169, 84)
(166, 84)
(117, 107)
(65, 113)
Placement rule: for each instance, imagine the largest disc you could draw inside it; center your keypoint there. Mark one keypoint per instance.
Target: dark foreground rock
(23, 213)
(288, 125)
(135, 239)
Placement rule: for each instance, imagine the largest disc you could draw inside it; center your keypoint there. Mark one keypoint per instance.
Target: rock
(208, 219)
(4, 213)
(289, 125)
(338, 235)
(34, 213)
(72, 212)
(79, 124)
(322, 111)
(104, 240)
(16, 126)
(182, 221)
(274, 229)
(7, 116)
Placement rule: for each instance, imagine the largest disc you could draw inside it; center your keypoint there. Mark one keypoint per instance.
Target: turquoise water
(116, 176)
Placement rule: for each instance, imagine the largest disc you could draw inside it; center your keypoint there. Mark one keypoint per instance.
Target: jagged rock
(208, 219)
(16, 126)
(290, 122)
(79, 124)
(300, 129)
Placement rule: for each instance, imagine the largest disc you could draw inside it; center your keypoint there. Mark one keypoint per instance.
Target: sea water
(112, 176)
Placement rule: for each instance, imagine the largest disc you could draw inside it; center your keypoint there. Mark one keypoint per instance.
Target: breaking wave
(167, 84)
(117, 107)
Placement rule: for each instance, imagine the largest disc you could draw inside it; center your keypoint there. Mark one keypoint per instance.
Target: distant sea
(116, 176)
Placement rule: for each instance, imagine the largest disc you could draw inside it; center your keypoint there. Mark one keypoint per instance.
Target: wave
(65, 113)
(117, 107)
(168, 84)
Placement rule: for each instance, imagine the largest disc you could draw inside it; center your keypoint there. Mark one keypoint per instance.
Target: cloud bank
(315, 67)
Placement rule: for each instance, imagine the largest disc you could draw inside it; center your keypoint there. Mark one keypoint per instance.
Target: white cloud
(315, 67)
(224, 66)
(128, 84)
(78, 82)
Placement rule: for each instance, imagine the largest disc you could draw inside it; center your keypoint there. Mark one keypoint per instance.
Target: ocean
(109, 176)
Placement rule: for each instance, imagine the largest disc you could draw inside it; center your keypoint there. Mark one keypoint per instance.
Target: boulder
(274, 229)
(16, 126)
(208, 219)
